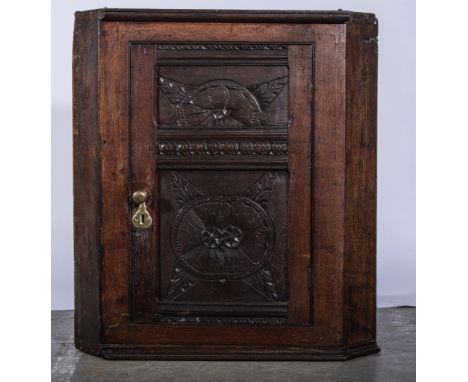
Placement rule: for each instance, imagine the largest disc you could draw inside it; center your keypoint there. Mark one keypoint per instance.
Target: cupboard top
(327, 17)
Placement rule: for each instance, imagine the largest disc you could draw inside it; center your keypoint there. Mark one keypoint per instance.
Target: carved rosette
(223, 238)
(219, 103)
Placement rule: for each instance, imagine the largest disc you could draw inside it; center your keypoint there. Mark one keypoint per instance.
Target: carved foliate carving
(183, 190)
(266, 92)
(181, 281)
(261, 190)
(173, 90)
(220, 103)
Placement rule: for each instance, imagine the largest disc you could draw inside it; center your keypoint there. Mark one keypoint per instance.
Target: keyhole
(141, 219)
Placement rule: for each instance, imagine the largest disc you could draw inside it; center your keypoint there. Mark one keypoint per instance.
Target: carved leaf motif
(184, 191)
(180, 283)
(173, 90)
(261, 190)
(266, 92)
(264, 282)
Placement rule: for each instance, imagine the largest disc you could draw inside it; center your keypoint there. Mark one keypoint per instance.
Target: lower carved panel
(223, 240)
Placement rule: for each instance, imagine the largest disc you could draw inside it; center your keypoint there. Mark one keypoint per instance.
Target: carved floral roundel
(220, 238)
(219, 103)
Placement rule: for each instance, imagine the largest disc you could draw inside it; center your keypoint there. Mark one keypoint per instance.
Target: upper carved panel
(221, 85)
(220, 103)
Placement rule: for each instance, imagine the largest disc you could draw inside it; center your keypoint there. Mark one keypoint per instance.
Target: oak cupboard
(225, 184)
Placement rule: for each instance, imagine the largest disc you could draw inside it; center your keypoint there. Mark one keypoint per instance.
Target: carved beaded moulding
(221, 47)
(222, 148)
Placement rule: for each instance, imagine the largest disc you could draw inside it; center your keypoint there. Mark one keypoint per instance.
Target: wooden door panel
(219, 119)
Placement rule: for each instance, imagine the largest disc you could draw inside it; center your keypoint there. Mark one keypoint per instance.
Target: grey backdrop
(396, 136)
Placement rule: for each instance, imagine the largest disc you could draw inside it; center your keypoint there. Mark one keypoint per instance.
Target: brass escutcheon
(142, 218)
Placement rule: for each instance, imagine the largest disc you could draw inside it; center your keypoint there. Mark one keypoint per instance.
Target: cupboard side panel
(116, 212)
(86, 183)
(329, 183)
(299, 193)
(361, 164)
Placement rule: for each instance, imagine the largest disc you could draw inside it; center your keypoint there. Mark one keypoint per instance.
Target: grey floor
(396, 361)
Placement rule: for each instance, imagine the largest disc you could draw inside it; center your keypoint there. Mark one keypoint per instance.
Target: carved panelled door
(221, 152)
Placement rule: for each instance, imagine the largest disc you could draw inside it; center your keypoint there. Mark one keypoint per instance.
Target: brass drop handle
(142, 218)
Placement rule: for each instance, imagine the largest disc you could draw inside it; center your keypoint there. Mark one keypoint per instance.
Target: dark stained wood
(253, 111)
(86, 184)
(361, 186)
